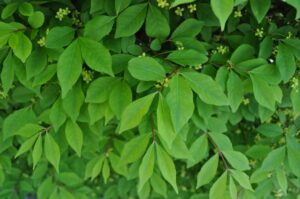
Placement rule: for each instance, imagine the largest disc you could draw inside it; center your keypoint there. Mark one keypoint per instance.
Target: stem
(169, 76)
(219, 152)
(45, 129)
(21, 29)
(152, 128)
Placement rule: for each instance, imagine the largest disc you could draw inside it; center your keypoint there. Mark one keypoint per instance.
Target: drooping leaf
(208, 171)
(74, 136)
(222, 9)
(147, 166)
(218, 189)
(52, 151)
(260, 8)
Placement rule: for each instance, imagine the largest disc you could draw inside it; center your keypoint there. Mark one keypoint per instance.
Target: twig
(21, 29)
(45, 129)
(169, 76)
(219, 152)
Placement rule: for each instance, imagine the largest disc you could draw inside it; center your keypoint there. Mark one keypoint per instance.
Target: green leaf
(260, 8)
(74, 136)
(119, 97)
(222, 9)
(296, 5)
(207, 89)
(37, 151)
(165, 128)
(131, 20)
(28, 130)
(21, 45)
(187, 57)
(268, 72)
(270, 130)
(134, 112)
(282, 180)
(146, 69)
(166, 167)
(237, 160)
(295, 98)
(181, 108)
(158, 185)
(96, 56)
(188, 28)
(294, 160)
(16, 120)
(147, 166)
(69, 67)
(105, 170)
(265, 48)
(235, 91)
(73, 102)
(156, 23)
(242, 179)
(121, 5)
(98, 90)
(59, 36)
(97, 166)
(263, 93)
(52, 151)
(36, 20)
(9, 10)
(36, 63)
(26, 146)
(7, 73)
(242, 53)
(232, 188)
(57, 116)
(285, 62)
(198, 150)
(26, 9)
(274, 159)
(134, 149)
(98, 27)
(218, 189)
(179, 2)
(208, 171)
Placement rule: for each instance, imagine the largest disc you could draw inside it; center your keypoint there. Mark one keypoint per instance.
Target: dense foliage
(190, 99)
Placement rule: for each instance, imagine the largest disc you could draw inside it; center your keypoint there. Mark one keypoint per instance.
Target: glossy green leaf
(285, 62)
(59, 36)
(218, 189)
(208, 171)
(26, 146)
(52, 151)
(36, 20)
(274, 159)
(147, 166)
(222, 9)
(7, 73)
(242, 178)
(74, 136)
(260, 8)
(187, 57)
(235, 91)
(21, 46)
(188, 28)
(98, 27)
(37, 151)
(156, 23)
(237, 160)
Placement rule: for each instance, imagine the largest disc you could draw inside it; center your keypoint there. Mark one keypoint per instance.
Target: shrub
(150, 99)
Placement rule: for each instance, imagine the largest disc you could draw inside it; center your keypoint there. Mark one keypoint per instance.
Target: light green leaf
(21, 45)
(28, 130)
(165, 128)
(98, 27)
(237, 160)
(282, 179)
(222, 9)
(26, 146)
(260, 8)
(232, 188)
(295, 97)
(52, 151)
(218, 189)
(26, 9)
(96, 56)
(134, 112)
(74, 136)
(296, 5)
(119, 97)
(208, 171)
(158, 185)
(37, 151)
(207, 89)
(285, 62)
(59, 36)
(156, 23)
(105, 170)
(181, 108)
(9, 10)
(146, 69)
(235, 91)
(198, 150)
(270, 130)
(36, 20)
(96, 166)
(265, 47)
(187, 57)
(179, 2)
(242, 53)
(166, 167)
(134, 149)
(36, 63)
(188, 28)
(274, 159)
(98, 90)
(57, 116)
(294, 160)
(147, 166)
(69, 67)
(7, 73)
(242, 179)
(73, 102)
(263, 92)
(131, 20)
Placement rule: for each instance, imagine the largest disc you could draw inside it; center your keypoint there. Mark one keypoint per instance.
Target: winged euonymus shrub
(195, 99)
